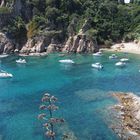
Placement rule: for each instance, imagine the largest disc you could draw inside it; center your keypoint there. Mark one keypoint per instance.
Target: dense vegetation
(110, 20)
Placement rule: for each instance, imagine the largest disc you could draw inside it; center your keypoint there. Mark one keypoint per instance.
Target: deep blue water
(83, 92)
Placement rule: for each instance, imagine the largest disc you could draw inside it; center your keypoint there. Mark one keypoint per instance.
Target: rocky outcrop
(54, 48)
(45, 41)
(81, 43)
(6, 45)
(2, 3)
(34, 45)
(127, 116)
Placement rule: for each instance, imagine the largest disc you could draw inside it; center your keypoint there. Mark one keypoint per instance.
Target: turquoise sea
(83, 93)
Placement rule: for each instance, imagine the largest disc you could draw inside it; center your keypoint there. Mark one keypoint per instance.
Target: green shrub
(4, 10)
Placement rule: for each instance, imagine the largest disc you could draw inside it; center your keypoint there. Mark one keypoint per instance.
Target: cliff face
(81, 43)
(6, 45)
(47, 40)
(16, 8)
(34, 45)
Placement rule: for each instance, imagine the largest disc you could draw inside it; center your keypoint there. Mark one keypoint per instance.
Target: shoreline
(34, 54)
(129, 47)
(128, 116)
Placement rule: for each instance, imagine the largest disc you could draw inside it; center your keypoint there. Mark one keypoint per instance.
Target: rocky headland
(45, 44)
(40, 26)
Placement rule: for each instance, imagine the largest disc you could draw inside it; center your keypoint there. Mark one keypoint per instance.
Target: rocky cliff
(81, 42)
(34, 45)
(6, 45)
(47, 39)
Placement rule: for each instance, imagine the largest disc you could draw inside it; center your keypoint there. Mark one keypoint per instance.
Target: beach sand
(130, 47)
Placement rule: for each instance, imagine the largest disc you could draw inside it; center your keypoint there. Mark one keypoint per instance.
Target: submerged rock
(6, 45)
(128, 116)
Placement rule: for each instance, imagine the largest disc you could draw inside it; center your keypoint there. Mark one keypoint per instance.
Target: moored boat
(98, 54)
(4, 74)
(120, 64)
(97, 65)
(113, 56)
(21, 61)
(68, 61)
(3, 55)
(124, 59)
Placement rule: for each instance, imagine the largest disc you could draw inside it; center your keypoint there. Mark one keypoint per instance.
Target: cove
(83, 93)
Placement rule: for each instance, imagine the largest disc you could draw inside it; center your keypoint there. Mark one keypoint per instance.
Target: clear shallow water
(83, 94)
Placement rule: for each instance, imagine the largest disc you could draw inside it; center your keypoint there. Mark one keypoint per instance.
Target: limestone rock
(6, 45)
(54, 48)
(68, 44)
(80, 44)
(34, 45)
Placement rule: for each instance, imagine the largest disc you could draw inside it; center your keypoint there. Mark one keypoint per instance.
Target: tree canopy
(111, 20)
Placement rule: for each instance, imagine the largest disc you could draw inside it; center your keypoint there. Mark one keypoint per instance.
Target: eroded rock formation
(34, 45)
(81, 43)
(6, 45)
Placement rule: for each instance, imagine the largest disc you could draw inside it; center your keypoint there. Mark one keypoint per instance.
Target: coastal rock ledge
(128, 115)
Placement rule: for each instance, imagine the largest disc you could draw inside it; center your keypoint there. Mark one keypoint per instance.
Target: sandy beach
(130, 47)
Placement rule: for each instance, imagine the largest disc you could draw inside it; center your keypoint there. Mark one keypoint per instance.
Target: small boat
(68, 61)
(120, 64)
(98, 54)
(124, 60)
(4, 74)
(97, 65)
(113, 56)
(3, 55)
(21, 61)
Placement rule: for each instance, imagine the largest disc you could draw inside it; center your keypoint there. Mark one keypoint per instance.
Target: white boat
(67, 61)
(120, 64)
(113, 56)
(98, 54)
(21, 61)
(3, 55)
(124, 60)
(97, 65)
(4, 74)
